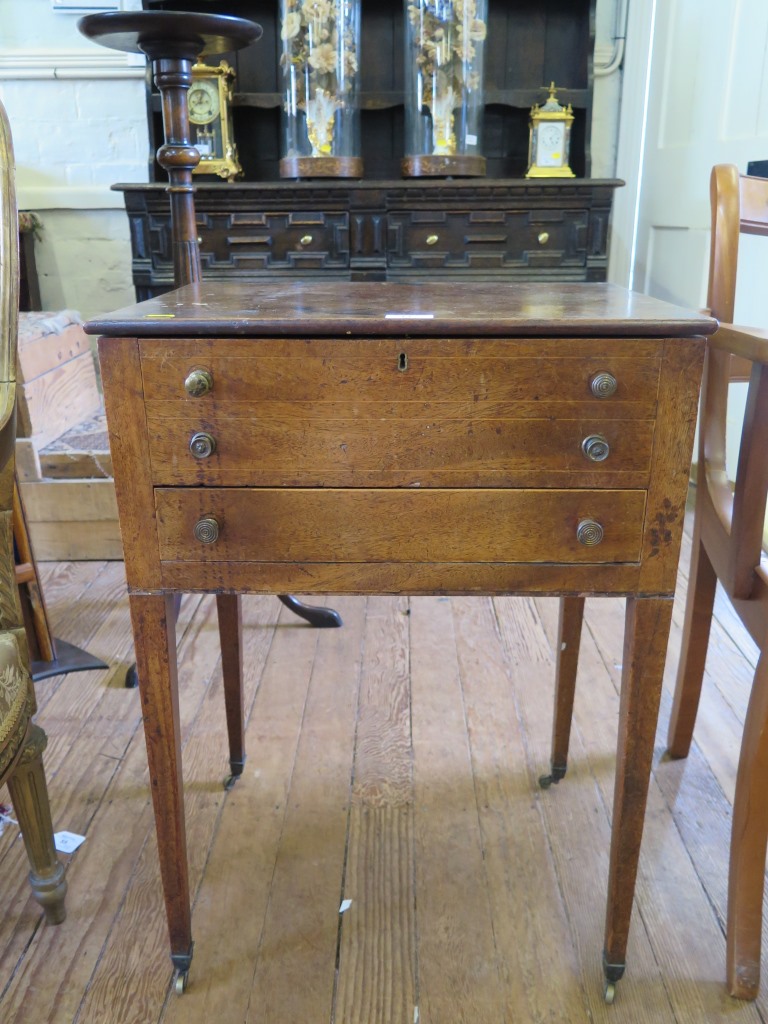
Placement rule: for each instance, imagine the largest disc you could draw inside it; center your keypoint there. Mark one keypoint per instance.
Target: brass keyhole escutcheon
(543, 237)
(306, 239)
(402, 362)
(603, 385)
(202, 445)
(596, 448)
(433, 239)
(198, 383)
(207, 530)
(589, 533)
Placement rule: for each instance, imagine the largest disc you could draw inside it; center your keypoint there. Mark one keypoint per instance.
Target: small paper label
(471, 140)
(409, 316)
(67, 842)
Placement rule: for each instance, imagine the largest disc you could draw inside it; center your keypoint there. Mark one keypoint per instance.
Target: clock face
(549, 150)
(203, 101)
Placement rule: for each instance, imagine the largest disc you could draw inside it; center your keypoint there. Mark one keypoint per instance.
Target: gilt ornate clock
(210, 119)
(550, 139)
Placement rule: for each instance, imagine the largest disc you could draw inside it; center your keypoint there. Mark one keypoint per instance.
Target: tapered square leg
(229, 607)
(567, 655)
(153, 620)
(645, 648)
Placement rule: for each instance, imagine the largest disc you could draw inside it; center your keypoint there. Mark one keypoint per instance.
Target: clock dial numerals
(203, 102)
(550, 145)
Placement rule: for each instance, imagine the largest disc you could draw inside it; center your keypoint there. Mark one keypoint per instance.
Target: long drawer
(487, 239)
(279, 444)
(388, 525)
(448, 377)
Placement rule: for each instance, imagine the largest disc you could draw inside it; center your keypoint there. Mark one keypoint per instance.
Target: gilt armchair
(21, 741)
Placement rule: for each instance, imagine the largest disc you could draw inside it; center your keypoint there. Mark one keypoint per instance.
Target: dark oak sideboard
(511, 229)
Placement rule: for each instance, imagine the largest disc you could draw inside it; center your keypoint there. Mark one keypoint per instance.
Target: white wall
(78, 117)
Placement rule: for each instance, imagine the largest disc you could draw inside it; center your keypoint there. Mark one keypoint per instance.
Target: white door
(707, 103)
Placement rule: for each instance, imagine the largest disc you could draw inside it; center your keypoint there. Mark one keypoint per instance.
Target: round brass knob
(207, 530)
(596, 448)
(198, 383)
(589, 533)
(202, 445)
(603, 385)
(433, 239)
(543, 237)
(305, 239)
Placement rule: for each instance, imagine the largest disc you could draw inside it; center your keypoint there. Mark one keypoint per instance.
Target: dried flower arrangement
(445, 34)
(319, 61)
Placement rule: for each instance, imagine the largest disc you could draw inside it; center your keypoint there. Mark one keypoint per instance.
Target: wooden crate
(56, 373)
(72, 519)
(62, 453)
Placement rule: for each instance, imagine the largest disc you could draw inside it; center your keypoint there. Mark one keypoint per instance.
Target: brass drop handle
(433, 239)
(543, 237)
(305, 239)
(198, 383)
(207, 530)
(202, 445)
(589, 533)
(596, 448)
(603, 385)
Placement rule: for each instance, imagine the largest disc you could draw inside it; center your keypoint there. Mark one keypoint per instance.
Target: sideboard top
(430, 309)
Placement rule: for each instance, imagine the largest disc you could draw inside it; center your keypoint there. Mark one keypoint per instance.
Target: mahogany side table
(486, 439)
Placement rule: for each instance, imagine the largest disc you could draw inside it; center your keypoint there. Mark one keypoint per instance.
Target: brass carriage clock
(550, 139)
(210, 119)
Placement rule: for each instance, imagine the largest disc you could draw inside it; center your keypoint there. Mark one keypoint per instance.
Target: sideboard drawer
(254, 241)
(487, 239)
(387, 525)
(449, 377)
(327, 445)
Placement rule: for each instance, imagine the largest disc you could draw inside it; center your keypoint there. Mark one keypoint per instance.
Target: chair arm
(749, 342)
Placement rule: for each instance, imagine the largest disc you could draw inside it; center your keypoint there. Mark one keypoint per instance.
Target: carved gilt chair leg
(29, 795)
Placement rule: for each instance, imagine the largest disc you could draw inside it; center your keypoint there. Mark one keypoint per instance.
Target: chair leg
(749, 833)
(568, 641)
(702, 583)
(29, 795)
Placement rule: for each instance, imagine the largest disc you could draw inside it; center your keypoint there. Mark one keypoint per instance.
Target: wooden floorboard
(392, 764)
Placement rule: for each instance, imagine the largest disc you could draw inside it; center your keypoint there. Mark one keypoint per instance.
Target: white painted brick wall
(73, 138)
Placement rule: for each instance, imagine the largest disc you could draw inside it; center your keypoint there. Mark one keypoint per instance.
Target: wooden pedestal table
(403, 439)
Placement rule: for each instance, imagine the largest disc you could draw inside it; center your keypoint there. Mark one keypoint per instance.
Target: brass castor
(180, 982)
(609, 992)
(557, 773)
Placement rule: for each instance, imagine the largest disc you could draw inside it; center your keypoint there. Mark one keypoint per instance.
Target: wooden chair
(728, 546)
(21, 741)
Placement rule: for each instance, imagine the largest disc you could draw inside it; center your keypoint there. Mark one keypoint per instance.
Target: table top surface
(426, 309)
